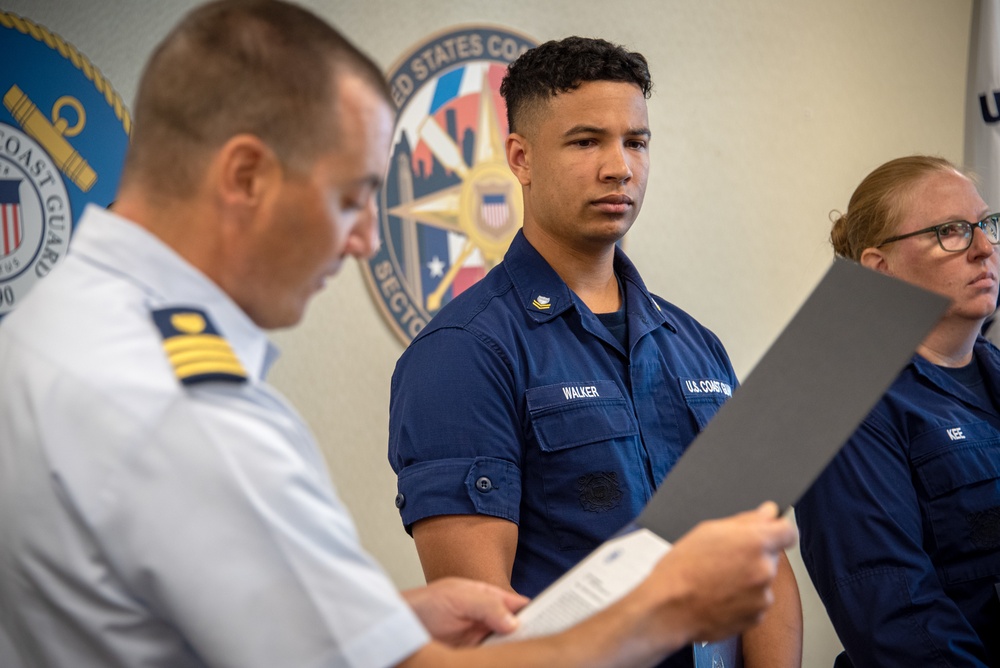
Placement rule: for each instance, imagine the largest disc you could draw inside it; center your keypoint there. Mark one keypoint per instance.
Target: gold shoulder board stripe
(194, 347)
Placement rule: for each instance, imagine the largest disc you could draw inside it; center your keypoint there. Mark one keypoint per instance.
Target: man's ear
(244, 168)
(875, 259)
(518, 157)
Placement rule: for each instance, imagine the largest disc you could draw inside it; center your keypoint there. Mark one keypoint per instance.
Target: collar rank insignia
(542, 303)
(194, 347)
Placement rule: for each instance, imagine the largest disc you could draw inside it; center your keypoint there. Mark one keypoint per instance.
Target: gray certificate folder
(801, 403)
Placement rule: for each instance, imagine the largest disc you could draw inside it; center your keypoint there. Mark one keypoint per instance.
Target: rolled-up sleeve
(455, 438)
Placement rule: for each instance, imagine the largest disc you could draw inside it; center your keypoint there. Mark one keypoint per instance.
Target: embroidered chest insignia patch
(599, 491)
(984, 528)
(194, 347)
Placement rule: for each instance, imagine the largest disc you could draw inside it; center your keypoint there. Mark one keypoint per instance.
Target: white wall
(765, 115)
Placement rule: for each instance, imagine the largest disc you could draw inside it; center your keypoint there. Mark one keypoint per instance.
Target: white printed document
(608, 573)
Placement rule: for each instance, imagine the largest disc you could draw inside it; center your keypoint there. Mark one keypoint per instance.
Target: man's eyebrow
(585, 130)
(594, 130)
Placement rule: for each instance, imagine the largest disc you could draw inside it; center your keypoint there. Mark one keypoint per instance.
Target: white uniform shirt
(148, 523)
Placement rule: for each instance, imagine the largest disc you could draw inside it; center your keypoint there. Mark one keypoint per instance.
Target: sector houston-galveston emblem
(63, 135)
(450, 206)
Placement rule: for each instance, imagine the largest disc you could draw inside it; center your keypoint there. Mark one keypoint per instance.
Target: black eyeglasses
(956, 236)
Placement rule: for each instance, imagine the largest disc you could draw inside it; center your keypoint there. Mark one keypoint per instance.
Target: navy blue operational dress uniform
(520, 403)
(901, 534)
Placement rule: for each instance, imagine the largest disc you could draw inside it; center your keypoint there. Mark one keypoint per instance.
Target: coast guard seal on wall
(450, 206)
(63, 135)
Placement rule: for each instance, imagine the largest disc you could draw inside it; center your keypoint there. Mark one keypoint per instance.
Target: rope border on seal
(68, 51)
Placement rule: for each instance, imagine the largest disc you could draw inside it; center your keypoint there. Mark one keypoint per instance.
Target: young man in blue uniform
(537, 413)
(162, 504)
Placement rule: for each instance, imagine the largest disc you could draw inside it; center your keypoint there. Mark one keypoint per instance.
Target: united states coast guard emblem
(63, 135)
(35, 218)
(450, 206)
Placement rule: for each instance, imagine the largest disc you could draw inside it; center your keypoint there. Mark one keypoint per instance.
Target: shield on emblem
(494, 210)
(495, 220)
(11, 231)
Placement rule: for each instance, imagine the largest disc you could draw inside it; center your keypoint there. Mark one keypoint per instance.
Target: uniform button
(484, 484)
(400, 500)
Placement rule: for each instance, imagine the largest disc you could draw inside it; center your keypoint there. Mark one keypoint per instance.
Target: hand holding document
(607, 574)
(720, 571)
(770, 441)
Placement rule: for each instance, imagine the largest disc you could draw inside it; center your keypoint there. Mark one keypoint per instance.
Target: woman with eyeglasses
(901, 534)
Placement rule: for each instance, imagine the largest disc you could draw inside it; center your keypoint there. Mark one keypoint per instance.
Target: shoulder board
(194, 347)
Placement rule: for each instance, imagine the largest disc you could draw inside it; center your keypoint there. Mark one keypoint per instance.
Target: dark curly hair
(559, 66)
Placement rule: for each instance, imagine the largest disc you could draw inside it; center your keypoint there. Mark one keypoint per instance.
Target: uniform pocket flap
(966, 458)
(567, 415)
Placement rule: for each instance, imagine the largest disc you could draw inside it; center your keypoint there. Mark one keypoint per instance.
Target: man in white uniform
(160, 503)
